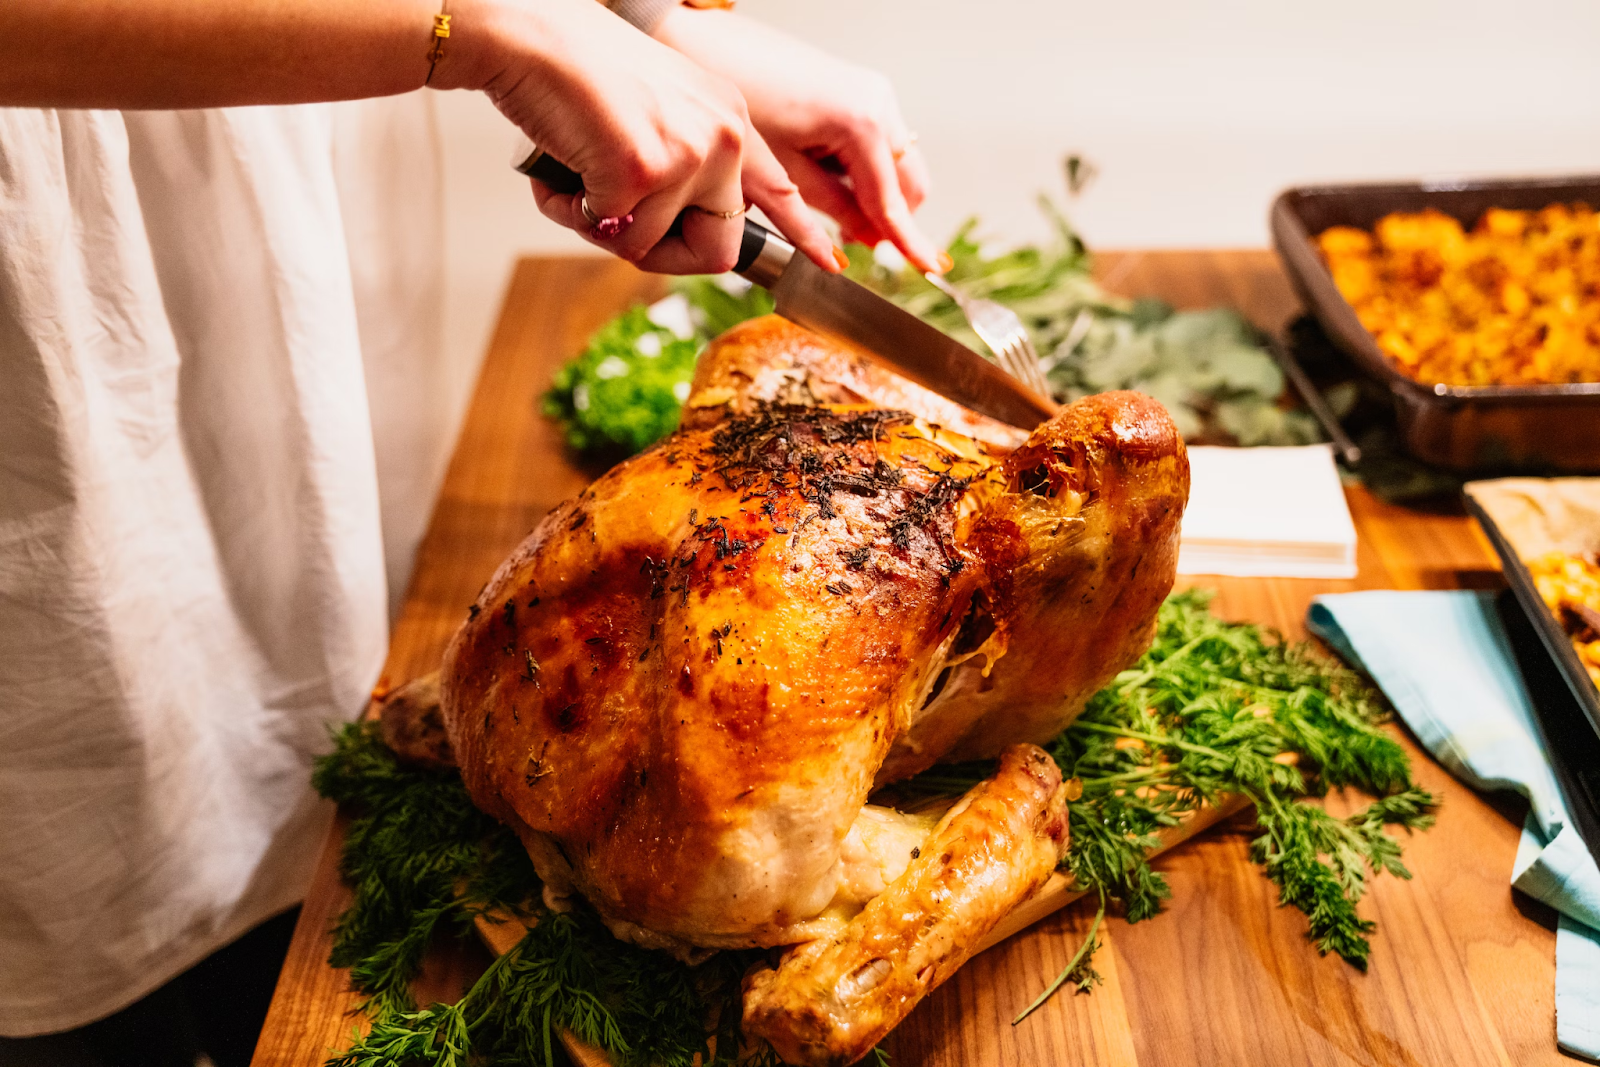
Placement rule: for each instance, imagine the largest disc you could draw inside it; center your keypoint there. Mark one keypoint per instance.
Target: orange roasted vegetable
(1514, 302)
(1570, 586)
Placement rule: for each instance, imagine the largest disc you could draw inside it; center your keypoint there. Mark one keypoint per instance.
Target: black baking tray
(1470, 430)
(1565, 702)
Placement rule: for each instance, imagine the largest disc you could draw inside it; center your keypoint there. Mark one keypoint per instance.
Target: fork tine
(1003, 332)
(1025, 362)
(1029, 375)
(1036, 370)
(1001, 347)
(1001, 344)
(1018, 361)
(1014, 356)
(1040, 381)
(1013, 359)
(1026, 356)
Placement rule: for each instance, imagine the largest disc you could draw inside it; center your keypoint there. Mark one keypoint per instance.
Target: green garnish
(1077, 971)
(1208, 368)
(1211, 709)
(627, 388)
(568, 973)
(420, 857)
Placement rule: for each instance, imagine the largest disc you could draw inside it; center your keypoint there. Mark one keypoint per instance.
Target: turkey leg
(830, 1001)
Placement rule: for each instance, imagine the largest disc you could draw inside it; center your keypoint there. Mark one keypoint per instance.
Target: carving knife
(852, 315)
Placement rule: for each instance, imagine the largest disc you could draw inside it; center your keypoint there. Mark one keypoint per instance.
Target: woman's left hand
(835, 127)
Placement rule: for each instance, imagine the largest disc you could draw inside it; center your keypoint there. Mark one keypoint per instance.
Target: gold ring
(900, 153)
(721, 214)
(588, 212)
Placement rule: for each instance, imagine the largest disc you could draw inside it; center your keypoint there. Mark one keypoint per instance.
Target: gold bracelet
(441, 30)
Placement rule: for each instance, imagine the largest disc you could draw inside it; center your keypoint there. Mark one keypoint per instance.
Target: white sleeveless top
(192, 580)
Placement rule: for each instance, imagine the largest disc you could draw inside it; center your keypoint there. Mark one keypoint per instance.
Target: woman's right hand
(651, 132)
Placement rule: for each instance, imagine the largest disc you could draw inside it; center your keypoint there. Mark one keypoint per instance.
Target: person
(199, 272)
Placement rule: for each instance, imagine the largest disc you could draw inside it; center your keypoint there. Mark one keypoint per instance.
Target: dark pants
(215, 1009)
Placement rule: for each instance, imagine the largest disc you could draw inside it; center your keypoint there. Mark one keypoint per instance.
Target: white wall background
(1195, 113)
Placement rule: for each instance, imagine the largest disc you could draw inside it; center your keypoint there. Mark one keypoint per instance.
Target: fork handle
(938, 282)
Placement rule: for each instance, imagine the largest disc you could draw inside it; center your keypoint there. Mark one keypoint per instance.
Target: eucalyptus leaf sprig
(1208, 367)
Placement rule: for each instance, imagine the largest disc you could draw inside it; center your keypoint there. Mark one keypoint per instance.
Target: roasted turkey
(682, 689)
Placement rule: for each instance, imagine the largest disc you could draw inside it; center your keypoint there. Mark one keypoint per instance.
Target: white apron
(192, 573)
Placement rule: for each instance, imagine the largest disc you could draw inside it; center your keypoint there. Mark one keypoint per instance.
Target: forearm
(216, 53)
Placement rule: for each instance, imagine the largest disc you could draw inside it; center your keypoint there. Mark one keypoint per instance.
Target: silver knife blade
(852, 315)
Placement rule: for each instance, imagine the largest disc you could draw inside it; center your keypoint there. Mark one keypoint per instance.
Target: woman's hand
(651, 132)
(821, 116)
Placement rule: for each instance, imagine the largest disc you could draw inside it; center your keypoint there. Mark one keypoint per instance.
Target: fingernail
(840, 258)
(945, 263)
(611, 226)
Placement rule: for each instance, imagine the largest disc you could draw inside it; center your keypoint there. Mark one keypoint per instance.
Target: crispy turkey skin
(770, 360)
(681, 689)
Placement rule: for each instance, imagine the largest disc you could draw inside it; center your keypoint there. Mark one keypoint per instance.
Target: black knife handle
(550, 170)
(561, 178)
(751, 244)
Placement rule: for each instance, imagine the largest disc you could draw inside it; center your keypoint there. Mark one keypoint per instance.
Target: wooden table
(1462, 969)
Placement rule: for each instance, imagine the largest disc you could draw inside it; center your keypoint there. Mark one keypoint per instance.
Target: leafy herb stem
(1076, 970)
(1166, 662)
(1164, 740)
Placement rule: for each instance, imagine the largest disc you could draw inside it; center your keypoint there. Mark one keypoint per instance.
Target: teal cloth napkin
(1444, 662)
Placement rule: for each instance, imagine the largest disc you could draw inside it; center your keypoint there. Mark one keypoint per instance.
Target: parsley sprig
(1212, 709)
(626, 389)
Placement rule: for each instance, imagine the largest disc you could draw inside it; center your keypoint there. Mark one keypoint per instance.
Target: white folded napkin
(1266, 512)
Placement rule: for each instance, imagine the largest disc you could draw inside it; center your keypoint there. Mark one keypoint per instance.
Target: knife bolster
(762, 255)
